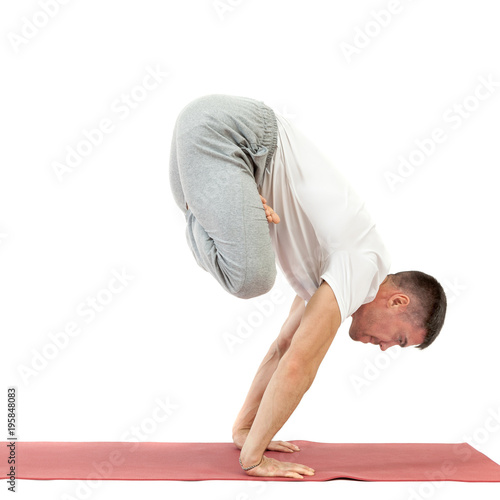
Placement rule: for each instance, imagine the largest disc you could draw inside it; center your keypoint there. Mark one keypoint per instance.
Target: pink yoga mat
(219, 461)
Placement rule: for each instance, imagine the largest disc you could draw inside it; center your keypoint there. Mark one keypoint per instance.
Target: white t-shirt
(325, 231)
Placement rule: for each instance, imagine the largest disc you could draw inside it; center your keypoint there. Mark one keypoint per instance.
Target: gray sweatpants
(221, 147)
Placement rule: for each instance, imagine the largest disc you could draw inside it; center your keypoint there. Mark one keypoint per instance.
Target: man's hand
(275, 468)
(271, 215)
(240, 436)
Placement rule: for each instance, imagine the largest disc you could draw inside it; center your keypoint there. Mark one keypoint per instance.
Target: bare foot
(271, 215)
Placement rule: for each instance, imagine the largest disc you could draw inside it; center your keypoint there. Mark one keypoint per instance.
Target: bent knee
(197, 109)
(257, 283)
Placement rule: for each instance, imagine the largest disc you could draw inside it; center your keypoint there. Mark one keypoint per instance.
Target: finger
(294, 474)
(296, 471)
(290, 445)
(279, 447)
(287, 446)
(301, 468)
(262, 198)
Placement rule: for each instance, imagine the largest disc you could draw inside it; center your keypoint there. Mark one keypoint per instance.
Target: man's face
(381, 322)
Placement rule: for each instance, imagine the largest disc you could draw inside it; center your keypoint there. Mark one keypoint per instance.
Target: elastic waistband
(270, 138)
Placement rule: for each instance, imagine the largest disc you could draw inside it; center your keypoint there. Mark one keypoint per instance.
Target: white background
(164, 336)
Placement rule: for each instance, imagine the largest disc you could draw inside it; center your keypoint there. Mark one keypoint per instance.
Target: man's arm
(293, 377)
(246, 416)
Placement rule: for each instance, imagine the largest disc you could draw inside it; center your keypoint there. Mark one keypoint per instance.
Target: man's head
(409, 309)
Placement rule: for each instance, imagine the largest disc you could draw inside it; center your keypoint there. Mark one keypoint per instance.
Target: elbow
(281, 346)
(298, 371)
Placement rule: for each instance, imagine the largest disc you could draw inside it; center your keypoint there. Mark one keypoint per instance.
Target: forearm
(264, 373)
(286, 388)
(266, 369)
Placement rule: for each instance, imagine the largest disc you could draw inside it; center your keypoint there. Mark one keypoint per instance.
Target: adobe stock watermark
(86, 310)
(364, 35)
(479, 436)
(122, 107)
(373, 368)
(283, 111)
(247, 325)
(484, 432)
(453, 118)
(32, 26)
(116, 458)
(223, 7)
(453, 289)
(258, 487)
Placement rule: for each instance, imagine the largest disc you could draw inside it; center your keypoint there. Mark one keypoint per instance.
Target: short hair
(430, 308)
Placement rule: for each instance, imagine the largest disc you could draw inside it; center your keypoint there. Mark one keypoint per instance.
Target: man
(232, 155)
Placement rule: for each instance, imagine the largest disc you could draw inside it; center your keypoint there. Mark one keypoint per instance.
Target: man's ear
(399, 299)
